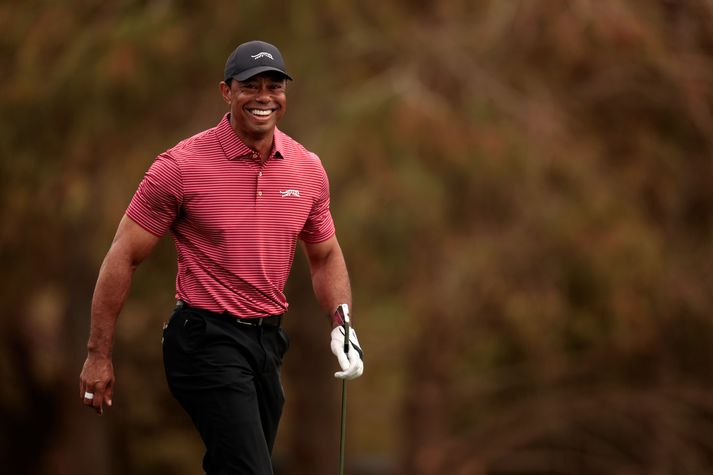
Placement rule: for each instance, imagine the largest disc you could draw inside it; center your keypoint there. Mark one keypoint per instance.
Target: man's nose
(263, 93)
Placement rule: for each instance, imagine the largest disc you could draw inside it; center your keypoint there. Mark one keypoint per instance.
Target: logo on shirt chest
(287, 193)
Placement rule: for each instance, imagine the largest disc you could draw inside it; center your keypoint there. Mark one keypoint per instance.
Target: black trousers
(226, 375)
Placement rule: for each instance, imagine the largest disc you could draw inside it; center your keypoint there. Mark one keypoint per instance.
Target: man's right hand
(96, 382)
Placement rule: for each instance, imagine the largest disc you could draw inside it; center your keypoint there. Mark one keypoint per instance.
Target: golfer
(236, 199)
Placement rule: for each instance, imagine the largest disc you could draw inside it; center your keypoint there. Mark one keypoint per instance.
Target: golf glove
(352, 363)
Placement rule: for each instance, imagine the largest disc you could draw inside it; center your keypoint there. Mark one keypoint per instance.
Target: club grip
(343, 313)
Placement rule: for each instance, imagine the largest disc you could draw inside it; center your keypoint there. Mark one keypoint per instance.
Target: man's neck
(262, 143)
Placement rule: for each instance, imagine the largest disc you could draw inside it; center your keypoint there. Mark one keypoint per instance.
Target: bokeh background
(523, 190)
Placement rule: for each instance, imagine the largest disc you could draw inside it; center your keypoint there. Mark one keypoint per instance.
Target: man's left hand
(352, 362)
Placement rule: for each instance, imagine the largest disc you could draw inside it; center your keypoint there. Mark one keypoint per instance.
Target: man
(236, 198)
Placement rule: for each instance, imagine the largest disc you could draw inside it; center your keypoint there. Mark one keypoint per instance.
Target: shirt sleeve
(159, 197)
(320, 225)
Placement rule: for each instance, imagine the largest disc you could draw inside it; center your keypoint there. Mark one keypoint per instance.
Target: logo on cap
(260, 55)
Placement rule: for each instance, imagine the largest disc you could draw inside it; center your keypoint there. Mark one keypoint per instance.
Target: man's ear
(225, 91)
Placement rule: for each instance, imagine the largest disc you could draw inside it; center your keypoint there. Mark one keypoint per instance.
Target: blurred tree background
(523, 190)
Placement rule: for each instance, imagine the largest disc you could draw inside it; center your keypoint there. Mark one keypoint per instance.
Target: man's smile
(261, 113)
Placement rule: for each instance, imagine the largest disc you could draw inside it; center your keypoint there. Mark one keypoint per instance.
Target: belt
(270, 320)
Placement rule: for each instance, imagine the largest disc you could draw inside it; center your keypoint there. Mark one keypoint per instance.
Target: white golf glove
(351, 363)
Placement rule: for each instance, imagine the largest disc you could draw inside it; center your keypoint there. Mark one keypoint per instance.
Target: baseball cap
(254, 57)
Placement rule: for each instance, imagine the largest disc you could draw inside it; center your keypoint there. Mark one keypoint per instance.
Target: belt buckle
(253, 322)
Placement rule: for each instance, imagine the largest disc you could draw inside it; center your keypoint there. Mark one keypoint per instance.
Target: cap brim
(248, 73)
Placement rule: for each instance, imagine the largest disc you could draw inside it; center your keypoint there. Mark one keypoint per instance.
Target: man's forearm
(330, 281)
(131, 245)
(110, 292)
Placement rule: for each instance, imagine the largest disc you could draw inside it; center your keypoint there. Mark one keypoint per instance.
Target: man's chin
(259, 125)
(262, 128)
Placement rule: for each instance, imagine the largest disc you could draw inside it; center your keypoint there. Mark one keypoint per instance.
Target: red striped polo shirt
(235, 220)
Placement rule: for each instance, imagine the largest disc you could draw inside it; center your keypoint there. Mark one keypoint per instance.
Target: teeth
(261, 112)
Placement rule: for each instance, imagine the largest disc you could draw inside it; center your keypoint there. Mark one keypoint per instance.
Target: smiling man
(236, 199)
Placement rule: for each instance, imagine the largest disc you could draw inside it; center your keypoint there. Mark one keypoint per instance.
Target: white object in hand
(350, 362)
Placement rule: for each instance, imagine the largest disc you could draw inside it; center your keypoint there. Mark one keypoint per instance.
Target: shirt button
(259, 193)
(259, 174)
(254, 155)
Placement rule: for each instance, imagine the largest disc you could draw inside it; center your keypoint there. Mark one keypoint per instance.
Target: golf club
(343, 311)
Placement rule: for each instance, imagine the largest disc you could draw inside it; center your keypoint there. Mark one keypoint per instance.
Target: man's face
(256, 104)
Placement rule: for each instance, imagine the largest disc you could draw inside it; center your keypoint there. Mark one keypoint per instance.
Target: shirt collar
(234, 148)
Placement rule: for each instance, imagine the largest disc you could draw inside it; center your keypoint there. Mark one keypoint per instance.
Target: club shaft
(343, 423)
(343, 310)
(343, 428)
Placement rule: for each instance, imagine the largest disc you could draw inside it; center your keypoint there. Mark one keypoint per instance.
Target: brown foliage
(522, 191)
(565, 315)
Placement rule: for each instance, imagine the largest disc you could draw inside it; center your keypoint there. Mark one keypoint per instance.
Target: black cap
(254, 57)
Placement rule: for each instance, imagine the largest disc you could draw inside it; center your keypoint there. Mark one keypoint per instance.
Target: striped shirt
(235, 220)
